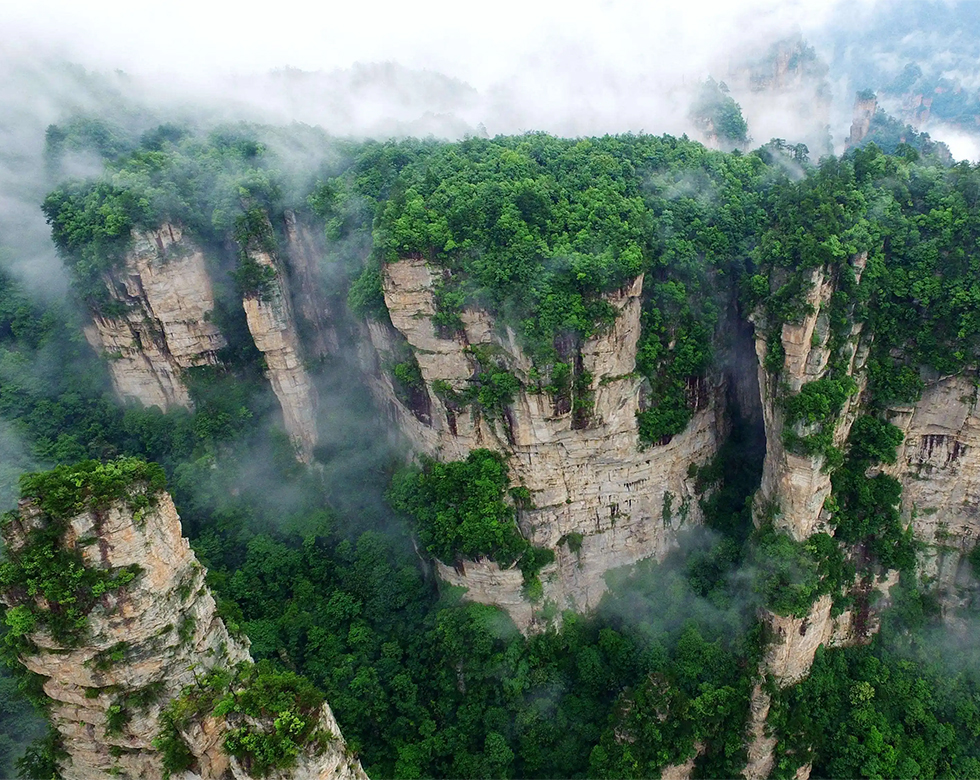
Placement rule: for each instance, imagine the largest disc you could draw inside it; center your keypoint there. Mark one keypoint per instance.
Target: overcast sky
(480, 42)
(564, 67)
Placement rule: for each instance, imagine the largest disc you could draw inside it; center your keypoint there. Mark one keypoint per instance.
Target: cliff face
(165, 291)
(304, 251)
(796, 483)
(793, 490)
(938, 465)
(864, 111)
(167, 297)
(142, 643)
(273, 328)
(589, 478)
(145, 642)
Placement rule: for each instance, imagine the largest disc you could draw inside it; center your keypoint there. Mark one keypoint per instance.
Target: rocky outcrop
(793, 491)
(159, 322)
(144, 643)
(938, 465)
(589, 480)
(304, 251)
(798, 484)
(865, 109)
(272, 325)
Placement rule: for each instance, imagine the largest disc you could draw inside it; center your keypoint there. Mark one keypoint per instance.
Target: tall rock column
(109, 606)
(304, 249)
(269, 313)
(158, 322)
(794, 489)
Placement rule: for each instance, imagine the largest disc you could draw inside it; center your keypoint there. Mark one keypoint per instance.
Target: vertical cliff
(269, 312)
(938, 465)
(111, 610)
(303, 247)
(587, 476)
(797, 483)
(865, 108)
(159, 319)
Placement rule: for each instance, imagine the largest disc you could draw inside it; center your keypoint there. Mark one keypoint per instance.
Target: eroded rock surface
(797, 485)
(145, 642)
(592, 479)
(938, 465)
(165, 300)
(793, 491)
(273, 328)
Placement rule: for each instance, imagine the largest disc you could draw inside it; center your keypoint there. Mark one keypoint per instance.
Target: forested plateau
(506, 457)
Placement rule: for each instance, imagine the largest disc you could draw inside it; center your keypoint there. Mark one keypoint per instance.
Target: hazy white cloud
(478, 42)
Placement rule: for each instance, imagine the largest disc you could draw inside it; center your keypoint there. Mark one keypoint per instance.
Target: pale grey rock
(596, 480)
(167, 327)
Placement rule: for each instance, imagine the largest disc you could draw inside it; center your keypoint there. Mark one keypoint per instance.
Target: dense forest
(318, 564)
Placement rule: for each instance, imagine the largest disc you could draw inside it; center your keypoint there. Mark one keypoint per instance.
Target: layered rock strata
(145, 642)
(793, 491)
(160, 320)
(938, 465)
(798, 484)
(594, 479)
(273, 327)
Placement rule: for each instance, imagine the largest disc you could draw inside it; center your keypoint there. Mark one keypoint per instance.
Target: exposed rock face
(795, 488)
(797, 483)
(592, 479)
(939, 468)
(864, 111)
(166, 291)
(146, 641)
(273, 328)
(144, 637)
(304, 252)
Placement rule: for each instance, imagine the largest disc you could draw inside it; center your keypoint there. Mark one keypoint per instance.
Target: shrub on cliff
(460, 512)
(49, 584)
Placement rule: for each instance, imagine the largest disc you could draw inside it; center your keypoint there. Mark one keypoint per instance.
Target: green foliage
(917, 222)
(91, 223)
(716, 113)
(533, 228)
(288, 708)
(408, 375)
(868, 508)
(791, 575)
(42, 759)
(49, 584)
(253, 233)
(116, 718)
(814, 411)
(537, 230)
(573, 540)
(974, 558)
(66, 491)
(366, 297)
(459, 508)
(881, 712)
(218, 187)
(195, 701)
